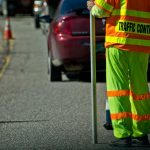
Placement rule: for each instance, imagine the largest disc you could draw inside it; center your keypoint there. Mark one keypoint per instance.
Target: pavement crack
(22, 121)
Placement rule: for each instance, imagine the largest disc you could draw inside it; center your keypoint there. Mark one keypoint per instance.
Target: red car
(69, 40)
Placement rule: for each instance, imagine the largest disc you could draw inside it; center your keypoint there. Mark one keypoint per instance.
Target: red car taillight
(62, 27)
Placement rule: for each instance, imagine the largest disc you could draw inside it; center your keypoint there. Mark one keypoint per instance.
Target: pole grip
(93, 78)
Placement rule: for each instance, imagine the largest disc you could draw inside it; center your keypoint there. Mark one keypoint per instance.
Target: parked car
(48, 8)
(37, 9)
(69, 40)
(45, 11)
(13, 7)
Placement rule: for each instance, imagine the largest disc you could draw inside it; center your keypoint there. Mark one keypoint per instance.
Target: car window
(72, 5)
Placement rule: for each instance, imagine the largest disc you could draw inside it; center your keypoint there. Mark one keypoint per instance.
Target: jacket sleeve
(103, 8)
(98, 12)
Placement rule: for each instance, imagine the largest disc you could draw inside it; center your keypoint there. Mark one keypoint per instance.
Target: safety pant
(128, 92)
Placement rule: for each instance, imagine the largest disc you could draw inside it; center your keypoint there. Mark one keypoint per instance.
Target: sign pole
(93, 78)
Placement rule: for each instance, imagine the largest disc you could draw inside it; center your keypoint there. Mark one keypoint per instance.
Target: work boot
(108, 126)
(141, 141)
(123, 142)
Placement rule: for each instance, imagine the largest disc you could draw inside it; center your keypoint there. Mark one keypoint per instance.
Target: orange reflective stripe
(128, 47)
(141, 96)
(117, 93)
(124, 115)
(121, 115)
(141, 118)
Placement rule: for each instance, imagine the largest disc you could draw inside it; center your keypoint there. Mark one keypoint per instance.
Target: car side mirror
(45, 19)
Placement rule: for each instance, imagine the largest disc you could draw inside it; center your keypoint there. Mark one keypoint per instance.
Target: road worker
(127, 43)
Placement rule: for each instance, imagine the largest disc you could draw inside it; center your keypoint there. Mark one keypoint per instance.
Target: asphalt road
(36, 114)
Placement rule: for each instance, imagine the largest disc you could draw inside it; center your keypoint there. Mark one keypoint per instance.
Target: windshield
(72, 5)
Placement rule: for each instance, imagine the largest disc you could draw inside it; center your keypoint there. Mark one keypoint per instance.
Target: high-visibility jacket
(128, 28)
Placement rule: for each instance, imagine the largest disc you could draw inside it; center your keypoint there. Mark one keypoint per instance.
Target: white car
(37, 9)
(45, 12)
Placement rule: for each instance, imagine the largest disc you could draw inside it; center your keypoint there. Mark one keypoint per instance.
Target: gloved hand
(90, 4)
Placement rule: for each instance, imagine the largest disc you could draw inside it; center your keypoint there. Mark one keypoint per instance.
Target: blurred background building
(13, 7)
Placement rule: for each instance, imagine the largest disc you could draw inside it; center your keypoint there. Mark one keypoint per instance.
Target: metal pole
(93, 78)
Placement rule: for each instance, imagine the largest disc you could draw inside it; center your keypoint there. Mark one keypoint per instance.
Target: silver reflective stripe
(129, 41)
(133, 13)
(123, 4)
(105, 5)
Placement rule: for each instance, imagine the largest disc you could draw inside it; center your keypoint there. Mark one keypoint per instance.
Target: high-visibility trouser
(128, 92)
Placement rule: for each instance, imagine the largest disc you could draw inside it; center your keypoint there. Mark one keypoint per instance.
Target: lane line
(7, 62)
